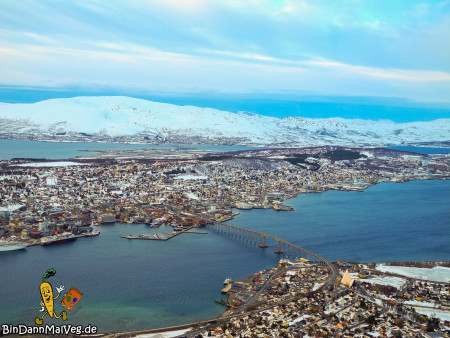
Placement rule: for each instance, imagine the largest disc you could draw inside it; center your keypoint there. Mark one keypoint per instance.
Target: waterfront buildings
(36, 201)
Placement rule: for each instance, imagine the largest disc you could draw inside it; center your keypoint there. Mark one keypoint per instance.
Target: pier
(260, 239)
(166, 237)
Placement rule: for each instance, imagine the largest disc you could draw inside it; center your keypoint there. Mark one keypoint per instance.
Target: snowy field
(438, 274)
(191, 177)
(50, 164)
(417, 303)
(443, 315)
(392, 281)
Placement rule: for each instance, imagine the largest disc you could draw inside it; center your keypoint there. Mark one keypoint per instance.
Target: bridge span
(283, 246)
(259, 238)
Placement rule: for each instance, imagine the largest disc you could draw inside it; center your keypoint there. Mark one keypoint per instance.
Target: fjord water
(10, 149)
(388, 222)
(133, 284)
(421, 150)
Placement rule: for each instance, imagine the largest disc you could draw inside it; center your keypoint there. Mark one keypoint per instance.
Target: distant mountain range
(125, 119)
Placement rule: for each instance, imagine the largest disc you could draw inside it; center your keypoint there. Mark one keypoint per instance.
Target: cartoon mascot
(47, 298)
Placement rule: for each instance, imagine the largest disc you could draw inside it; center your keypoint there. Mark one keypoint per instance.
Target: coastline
(181, 330)
(289, 195)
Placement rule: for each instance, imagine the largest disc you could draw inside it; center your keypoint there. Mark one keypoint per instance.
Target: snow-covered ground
(296, 320)
(119, 115)
(191, 196)
(191, 177)
(443, 315)
(417, 303)
(12, 207)
(51, 180)
(316, 286)
(438, 274)
(50, 164)
(392, 281)
(425, 308)
(163, 334)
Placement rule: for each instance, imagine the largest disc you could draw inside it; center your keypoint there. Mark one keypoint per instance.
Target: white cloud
(443, 4)
(382, 73)
(391, 74)
(348, 47)
(421, 9)
(136, 66)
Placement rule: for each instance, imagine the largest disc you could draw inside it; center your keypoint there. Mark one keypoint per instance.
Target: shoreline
(185, 328)
(289, 194)
(249, 145)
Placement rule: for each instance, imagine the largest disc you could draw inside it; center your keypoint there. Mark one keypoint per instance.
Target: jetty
(164, 237)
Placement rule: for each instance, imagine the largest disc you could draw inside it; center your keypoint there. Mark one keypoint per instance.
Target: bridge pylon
(263, 244)
(278, 251)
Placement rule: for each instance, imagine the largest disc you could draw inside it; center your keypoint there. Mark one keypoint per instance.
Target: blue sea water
(387, 222)
(422, 150)
(133, 284)
(10, 149)
(63, 150)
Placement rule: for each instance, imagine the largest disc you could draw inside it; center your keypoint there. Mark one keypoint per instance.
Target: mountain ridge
(126, 119)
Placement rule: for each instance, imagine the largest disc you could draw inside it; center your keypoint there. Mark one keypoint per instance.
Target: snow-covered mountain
(118, 118)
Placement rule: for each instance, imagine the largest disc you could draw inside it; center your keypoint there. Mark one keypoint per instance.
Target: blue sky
(201, 48)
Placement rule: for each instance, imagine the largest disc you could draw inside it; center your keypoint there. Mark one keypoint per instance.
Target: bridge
(259, 238)
(283, 246)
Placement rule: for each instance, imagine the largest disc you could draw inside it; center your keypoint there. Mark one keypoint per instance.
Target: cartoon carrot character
(47, 298)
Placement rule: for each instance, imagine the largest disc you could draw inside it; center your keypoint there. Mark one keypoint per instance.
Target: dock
(227, 288)
(165, 237)
(149, 238)
(222, 302)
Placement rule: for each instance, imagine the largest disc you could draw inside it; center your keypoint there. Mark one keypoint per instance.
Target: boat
(56, 239)
(282, 207)
(177, 229)
(243, 206)
(11, 246)
(227, 281)
(93, 233)
(157, 222)
(157, 236)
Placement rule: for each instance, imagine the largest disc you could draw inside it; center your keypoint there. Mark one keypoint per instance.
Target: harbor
(154, 198)
(227, 169)
(190, 193)
(166, 269)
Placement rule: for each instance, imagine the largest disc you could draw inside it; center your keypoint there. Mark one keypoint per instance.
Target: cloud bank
(347, 47)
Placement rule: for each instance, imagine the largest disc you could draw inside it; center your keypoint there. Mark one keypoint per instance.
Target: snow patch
(50, 164)
(438, 273)
(392, 281)
(191, 177)
(191, 196)
(163, 334)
